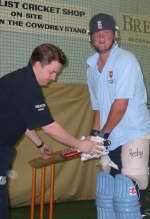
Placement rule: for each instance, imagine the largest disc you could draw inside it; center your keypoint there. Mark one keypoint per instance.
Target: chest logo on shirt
(40, 107)
(110, 76)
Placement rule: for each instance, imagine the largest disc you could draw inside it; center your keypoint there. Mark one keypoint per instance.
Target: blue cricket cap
(102, 22)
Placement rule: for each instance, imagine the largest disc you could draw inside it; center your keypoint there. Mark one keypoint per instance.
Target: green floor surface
(70, 210)
(67, 210)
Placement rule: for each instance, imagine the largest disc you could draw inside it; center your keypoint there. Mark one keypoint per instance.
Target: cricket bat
(56, 157)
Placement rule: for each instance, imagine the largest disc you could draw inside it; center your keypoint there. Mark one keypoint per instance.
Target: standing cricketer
(119, 101)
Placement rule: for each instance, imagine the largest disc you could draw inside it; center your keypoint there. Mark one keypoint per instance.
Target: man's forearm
(117, 112)
(58, 133)
(96, 120)
(32, 135)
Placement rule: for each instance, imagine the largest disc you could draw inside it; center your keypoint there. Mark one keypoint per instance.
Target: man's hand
(46, 151)
(101, 149)
(89, 146)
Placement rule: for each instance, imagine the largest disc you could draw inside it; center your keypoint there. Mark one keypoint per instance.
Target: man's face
(46, 73)
(103, 40)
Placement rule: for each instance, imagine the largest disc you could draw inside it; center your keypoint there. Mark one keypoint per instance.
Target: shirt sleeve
(34, 109)
(128, 74)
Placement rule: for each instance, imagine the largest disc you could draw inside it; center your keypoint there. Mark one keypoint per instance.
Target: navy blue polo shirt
(22, 105)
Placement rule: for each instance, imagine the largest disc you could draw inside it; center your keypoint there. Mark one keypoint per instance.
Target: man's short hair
(46, 53)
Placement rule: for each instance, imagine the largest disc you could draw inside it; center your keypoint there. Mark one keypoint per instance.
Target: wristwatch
(41, 145)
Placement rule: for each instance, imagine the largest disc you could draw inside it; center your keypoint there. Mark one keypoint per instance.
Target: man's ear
(37, 68)
(89, 36)
(117, 34)
(37, 64)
